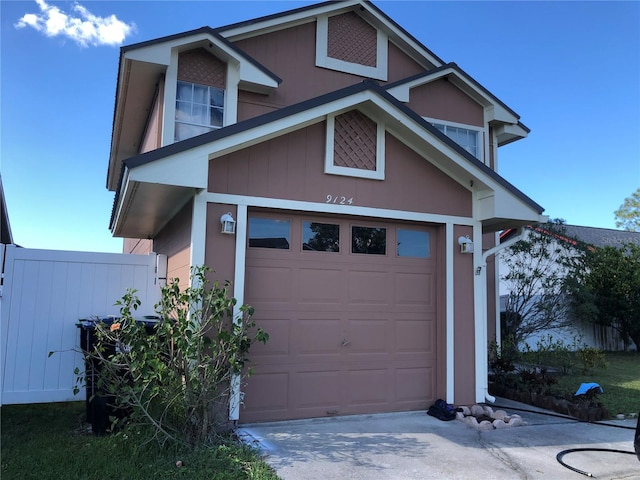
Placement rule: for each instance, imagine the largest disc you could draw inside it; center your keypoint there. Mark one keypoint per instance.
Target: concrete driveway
(413, 445)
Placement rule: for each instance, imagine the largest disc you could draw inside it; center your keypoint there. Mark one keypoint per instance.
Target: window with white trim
(467, 138)
(199, 109)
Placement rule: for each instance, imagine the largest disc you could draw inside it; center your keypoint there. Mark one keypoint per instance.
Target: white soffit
(186, 169)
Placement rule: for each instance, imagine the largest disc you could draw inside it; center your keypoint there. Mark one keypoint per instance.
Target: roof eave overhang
(505, 121)
(179, 170)
(140, 71)
(152, 193)
(271, 23)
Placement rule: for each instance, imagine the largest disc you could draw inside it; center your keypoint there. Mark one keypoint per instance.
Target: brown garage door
(350, 307)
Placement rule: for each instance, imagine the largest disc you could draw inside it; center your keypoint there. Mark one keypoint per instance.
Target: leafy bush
(175, 385)
(591, 358)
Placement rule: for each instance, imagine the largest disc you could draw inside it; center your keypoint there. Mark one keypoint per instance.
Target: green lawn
(620, 382)
(51, 441)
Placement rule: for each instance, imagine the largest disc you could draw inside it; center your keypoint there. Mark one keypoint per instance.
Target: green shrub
(591, 358)
(175, 385)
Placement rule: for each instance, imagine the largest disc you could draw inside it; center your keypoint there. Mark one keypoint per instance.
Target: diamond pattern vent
(355, 139)
(352, 39)
(199, 66)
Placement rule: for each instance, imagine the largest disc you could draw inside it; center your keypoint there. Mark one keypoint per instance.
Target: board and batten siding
(45, 293)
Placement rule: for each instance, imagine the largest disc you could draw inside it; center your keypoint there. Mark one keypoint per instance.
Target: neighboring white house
(605, 338)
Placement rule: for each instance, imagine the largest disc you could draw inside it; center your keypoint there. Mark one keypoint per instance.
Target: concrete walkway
(413, 445)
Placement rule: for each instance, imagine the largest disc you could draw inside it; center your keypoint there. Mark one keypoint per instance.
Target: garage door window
(320, 237)
(369, 240)
(413, 243)
(269, 233)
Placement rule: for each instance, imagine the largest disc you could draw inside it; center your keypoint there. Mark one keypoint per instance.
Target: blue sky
(571, 70)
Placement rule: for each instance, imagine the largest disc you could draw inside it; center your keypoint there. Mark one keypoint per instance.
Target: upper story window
(467, 138)
(199, 109)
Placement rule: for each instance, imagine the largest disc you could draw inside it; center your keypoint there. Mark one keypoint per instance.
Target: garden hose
(561, 454)
(559, 415)
(577, 470)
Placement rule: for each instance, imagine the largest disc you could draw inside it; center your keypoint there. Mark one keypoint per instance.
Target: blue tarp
(587, 387)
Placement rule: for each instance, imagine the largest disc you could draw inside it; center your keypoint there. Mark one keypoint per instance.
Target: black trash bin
(99, 405)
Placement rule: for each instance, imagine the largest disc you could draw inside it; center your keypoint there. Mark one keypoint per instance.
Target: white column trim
(198, 229)
(480, 315)
(238, 292)
(449, 309)
(169, 101)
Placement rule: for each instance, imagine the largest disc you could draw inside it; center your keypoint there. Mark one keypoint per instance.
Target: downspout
(481, 270)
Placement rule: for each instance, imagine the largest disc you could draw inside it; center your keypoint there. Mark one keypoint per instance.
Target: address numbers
(339, 200)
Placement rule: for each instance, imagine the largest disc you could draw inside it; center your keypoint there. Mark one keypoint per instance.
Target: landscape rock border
(483, 417)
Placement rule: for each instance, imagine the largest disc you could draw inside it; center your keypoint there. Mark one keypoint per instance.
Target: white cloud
(80, 26)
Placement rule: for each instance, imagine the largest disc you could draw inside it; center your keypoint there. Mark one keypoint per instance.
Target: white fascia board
(186, 169)
(279, 22)
(507, 133)
(161, 54)
(497, 113)
(396, 34)
(285, 125)
(126, 192)
(500, 203)
(329, 208)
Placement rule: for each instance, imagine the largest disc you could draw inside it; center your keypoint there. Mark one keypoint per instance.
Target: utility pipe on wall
(480, 269)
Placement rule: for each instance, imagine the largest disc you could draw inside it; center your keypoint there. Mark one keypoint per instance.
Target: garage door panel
(415, 289)
(266, 392)
(368, 288)
(365, 336)
(414, 384)
(415, 336)
(316, 389)
(320, 285)
(279, 341)
(364, 387)
(349, 333)
(269, 284)
(318, 338)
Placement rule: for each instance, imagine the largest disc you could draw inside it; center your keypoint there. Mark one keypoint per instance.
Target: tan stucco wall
(174, 241)
(464, 329)
(292, 167)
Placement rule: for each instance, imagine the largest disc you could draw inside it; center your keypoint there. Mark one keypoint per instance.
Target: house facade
(360, 171)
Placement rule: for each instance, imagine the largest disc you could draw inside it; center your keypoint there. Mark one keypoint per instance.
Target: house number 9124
(339, 200)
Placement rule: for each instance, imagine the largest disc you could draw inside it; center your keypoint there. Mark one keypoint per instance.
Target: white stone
(500, 424)
(477, 410)
(485, 425)
(466, 410)
(515, 422)
(471, 421)
(488, 410)
(460, 416)
(499, 415)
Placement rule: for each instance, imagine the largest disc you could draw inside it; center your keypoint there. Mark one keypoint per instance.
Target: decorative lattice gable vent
(352, 39)
(201, 67)
(354, 142)
(355, 146)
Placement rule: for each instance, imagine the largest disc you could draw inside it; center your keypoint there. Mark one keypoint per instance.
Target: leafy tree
(537, 269)
(628, 215)
(607, 292)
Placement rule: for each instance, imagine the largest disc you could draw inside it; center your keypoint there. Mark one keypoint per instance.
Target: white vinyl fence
(44, 294)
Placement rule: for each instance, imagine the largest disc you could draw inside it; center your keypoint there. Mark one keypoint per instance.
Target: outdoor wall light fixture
(228, 224)
(466, 244)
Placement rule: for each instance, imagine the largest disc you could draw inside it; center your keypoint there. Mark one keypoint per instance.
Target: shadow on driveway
(413, 445)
